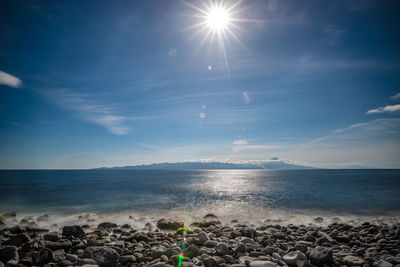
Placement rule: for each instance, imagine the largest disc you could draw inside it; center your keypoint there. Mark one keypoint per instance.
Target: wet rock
(104, 256)
(72, 257)
(240, 248)
(65, 263)
(86, 261)
(192, 251)
(276, 256)
(59, 255)
(209, 261)
(17, 229)
(27, 220)
(3, 220)
(8, 253)
(292, 257)
(107, 225)
(353, 260)
(382, 263)
(269, 250)
(210, 217)
(34, 228)
(221, 249)
(62, 244)
(320, 255)
(126, 226)
(18, 240)
(203, 237)
(259, 263)
(53, 236)
(74, 230)
(156, 253)
(256, 254)
(127, 259)
(342, 239)
(301, 248)
(140, 237)
(318, 220)
(44, 256)
(11, 216)
(148, 227)
(208, 224)
(169, 225)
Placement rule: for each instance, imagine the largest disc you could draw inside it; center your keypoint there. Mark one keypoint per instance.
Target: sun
(217, 19)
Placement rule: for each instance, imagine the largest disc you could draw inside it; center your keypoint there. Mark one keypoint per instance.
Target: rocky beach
(210, 242)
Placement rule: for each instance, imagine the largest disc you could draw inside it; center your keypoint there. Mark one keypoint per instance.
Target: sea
(252, 196)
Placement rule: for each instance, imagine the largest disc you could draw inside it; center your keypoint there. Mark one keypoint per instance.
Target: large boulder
(3, 220)
(221, 249)
(107, 225)
(9, 253)
(104, 256)
(62, 244)
(18, 240)
(203, 237)
(44, 256)
(292, 257)
(320, 255)
(169, 225)
(192, 251)
(27, 220)
(10, 216)
(353, 260)
(74, 230)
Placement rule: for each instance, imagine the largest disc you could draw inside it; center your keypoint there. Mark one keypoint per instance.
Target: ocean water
(288, 195)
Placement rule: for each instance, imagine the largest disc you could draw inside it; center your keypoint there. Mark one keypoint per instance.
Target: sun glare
(217, 18)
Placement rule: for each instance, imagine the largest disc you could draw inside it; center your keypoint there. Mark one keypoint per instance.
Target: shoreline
(94, 241)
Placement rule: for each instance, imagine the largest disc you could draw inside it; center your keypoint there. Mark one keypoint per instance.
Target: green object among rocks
(3, 220)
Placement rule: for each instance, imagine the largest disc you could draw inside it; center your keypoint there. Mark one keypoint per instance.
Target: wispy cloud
(381, 126)
(9, 80)
(88, 109)
(240, 142)
(353, 126)
(152, 147)
(334, 33)
(396, 96)
(385, 109)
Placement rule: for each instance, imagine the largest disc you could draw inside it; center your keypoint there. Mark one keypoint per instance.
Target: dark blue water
(335, 191)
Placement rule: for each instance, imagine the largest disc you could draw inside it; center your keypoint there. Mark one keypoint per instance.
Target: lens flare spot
(209, 67)
(202, 115)
(203, 106)
(246, 97)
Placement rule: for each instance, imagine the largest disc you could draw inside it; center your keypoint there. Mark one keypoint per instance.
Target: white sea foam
(227, 214)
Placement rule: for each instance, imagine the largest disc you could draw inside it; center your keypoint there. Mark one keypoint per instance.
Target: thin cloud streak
(396, 96)
(240, 142)
(9, 80)
(87, 109)
(385, 109)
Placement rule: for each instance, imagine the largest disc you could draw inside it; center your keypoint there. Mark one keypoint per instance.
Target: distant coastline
(270, 165)
(266, 165)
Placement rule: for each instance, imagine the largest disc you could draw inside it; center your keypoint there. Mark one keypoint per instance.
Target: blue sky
(111, 83)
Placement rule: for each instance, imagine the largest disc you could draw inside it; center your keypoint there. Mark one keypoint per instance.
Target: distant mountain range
(271, 165)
